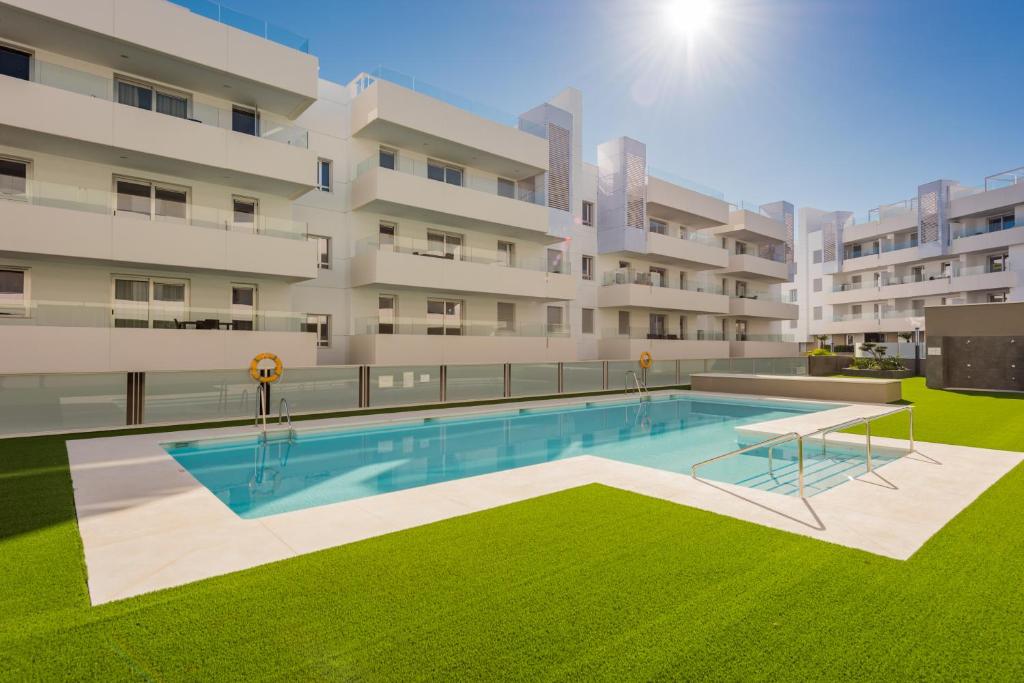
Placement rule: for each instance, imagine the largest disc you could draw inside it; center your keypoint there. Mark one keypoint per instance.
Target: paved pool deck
(147, 524)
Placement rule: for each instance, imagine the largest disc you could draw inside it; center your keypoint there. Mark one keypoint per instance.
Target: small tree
(906, 336)
(821, 340)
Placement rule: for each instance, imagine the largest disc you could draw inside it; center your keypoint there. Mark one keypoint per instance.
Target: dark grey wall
(981, 346)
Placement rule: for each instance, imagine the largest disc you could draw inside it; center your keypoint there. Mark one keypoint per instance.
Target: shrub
(820, 352)
(843, 348)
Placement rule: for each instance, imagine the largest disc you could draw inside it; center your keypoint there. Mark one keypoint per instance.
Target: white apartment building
(871, 280)
(170, 204)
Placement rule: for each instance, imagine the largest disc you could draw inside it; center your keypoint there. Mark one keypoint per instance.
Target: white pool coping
(147, 524)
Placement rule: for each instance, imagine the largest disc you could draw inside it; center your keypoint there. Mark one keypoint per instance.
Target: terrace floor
(591, 582)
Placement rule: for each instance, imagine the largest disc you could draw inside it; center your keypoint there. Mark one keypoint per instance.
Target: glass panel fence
(534, 379)
(580, 377)
(316, 390)
(405, 385)
(689, 367)
(474, 382)
(617, 378)
(662, 374)
(199, 395)
(43, 403)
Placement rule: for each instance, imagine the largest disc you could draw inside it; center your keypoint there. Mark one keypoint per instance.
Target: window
(792, 324)
(817, 312)
(13, 179)
(740, 248)
(243, 214)
(320, 325)
(682, 327)
(658, 277)
(150, 302)
(323, 175)
(13, 292)
(506, 188)
(444, 245)
(556, 320)
(445, 173)
(555, 261)
(997, 297)
(506, 254)
(386, 235)
(153, 200)
(682, 279)
(1001, 222)
(816, 284)
(323, 251)
(387, 312)
(655, 225)
(588, 321)
(588, 213)
(656, 326)
(741, 330)
(587, 267)
(244, 120)
(506, 317)
(444, 316)
(741, 289)
(15, 63)
(792, 296)
(624, 323)
(388, 158)
(817, 256)
(856, 310)
(243, 307)
(997, 263)
(152, 98)
(917, 273)
(917, 307)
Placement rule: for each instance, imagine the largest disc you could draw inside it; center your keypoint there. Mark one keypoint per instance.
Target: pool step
(819, 475)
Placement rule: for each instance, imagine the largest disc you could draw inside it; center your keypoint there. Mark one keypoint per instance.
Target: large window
(150, 302)
(556, 259)
(323, 251)
(387, 314)
(506, 254)
(816, 312)
(556, 320)
(320, 325)
(243, 307)
(588, 268)
(323, 175)
(446, 173)
(658, 226)
(386, 234)
(388, 158)
(152, 98)
(245, 120)
(14, 294)
(13, 179)
(588, 213)
(15, 63)
(244, 213)
(444, 245)
(1001, 222)
(997, 263)
(624, 323)
(506, 317)
(153, 200)
(588, 321)
(444, 316)
(506, 188)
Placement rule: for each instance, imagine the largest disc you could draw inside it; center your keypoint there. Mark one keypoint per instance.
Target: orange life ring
(254, 368)
(646, 361)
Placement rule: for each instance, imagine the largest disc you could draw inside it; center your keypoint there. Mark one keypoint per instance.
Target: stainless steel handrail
(282, 407)
(640, 388)
(773, 441)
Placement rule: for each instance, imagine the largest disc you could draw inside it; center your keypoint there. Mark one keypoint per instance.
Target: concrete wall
(820, 388)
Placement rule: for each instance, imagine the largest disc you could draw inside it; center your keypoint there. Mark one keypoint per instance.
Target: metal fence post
(604, 375)
(135, 395)
(561, 378)
(508, 380)
(444, 383)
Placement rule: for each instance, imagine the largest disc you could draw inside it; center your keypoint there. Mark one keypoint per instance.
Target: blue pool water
(321, 467)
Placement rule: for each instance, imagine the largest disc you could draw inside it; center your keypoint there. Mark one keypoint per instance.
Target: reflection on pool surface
(320, 467)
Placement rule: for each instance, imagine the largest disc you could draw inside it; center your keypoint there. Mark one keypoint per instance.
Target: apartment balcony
(416, 342)
(889, 255)
(683, 205)
(756, 267)
(764, 346)
(616, 346)
(166, 42)
(79, 337)
(407, 192)
(885, 220)
(417, 264)
(695, 251)
(910, 286)
(889, 320)
(78, 223)
(762, 305)
(966, 240)
(750, 226)
(981, 203)
(624, 289)
(73, 114)
(403, 118)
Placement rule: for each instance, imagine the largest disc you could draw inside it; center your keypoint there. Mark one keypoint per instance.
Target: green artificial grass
(590, 583)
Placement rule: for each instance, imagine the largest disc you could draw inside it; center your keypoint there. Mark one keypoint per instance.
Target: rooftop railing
(428, 249)
(245, 22)
(1004, 179)
(470, 180)
(186, 108)
(367, 78)
(681, 181)
(93, 200)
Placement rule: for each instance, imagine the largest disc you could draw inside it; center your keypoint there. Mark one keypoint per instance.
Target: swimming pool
(256, 479)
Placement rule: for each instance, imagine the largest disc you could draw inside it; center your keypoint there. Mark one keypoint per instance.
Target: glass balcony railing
(882, 248)
(368, 78)
(960, 231)
(760, 295)
(469, 180)
(884, 314)
(92, 200)
(458, 328)
(245, 22)
(623, 276)
(675, 179)
(776, 338)
(666, 335)
(893, 280)
(1004, 179)
(490, 257)
(124, 314)
(267, 127)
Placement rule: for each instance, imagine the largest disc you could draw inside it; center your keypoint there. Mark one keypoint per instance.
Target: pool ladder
(776, 441)
(638, 386)
(284, 412)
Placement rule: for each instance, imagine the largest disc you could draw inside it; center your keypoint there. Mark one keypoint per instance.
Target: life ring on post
(646, 361)
(254, 368)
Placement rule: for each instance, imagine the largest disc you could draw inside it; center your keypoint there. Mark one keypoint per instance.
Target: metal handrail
(282, 407)
(640, 388)
(773, 441)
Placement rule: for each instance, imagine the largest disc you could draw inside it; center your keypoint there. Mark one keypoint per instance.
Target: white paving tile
(147, 524)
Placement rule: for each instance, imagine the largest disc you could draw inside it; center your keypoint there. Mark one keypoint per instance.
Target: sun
(689, 17)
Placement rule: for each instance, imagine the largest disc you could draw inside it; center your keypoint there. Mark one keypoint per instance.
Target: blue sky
(838, 104)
